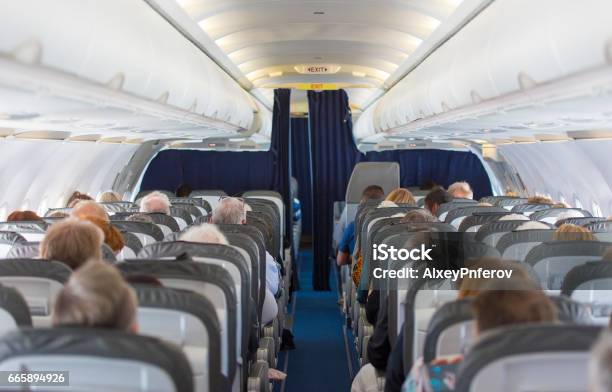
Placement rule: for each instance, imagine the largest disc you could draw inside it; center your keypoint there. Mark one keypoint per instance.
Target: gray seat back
(551, 215)
(209, 280)
(165, 222)
(98, 359)
(490, 233)
(517, 244)
(119, 206)
(32, 231)
(579, 221)
(189, 321)
(274, 197)
(26, 250)
(474, 222)
(445, 208)
(450, 330)
(601, 230)
(529, 208)
(529, 358)
(509, 202)
(211, 196)
(551, 261)
(8, 240)
(591, 283)
(384, 174)
(182, 217)
(38, 282)
(14, 311)
(146, 232)
(455, 216)
(192, 206)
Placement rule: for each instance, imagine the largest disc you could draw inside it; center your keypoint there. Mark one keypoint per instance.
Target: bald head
(461, 190)
(87, 208)
(230, 211)
(205, 233)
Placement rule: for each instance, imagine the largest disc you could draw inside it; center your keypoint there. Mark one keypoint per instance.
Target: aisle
(319, 364)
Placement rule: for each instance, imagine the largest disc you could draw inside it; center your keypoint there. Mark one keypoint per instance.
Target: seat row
(208, 312)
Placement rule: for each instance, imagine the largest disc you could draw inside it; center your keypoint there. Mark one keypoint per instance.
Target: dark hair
(183, 190)
(76, 197)
(372, 192)
(427, 185)
(437, 196)
(21, 216)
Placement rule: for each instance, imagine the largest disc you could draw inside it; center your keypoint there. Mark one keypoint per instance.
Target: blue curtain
(233, 172)
(334, 154)
(442, 166)
(300, 168)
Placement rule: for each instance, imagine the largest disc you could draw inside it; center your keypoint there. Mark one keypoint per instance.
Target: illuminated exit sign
(317, 86)
(317, 69)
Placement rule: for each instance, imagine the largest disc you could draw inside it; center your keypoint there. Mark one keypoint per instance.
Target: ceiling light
(275, 74)
(359, 74)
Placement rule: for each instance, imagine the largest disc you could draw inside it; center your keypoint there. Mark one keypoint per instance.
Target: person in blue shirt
(347, 243)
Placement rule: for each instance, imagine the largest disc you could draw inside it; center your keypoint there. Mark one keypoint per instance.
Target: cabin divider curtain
(233, 172)
(300, 169)
(334, 155)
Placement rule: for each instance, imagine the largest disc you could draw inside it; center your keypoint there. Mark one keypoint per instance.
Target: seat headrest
(529, 207)
(579, 221)
(383, 174)
(448, 314)
(188, 250)
(147, 228)
(119, 206)
(600, 227)
(102, 343)
(584, 273)
(166, 220)
(567, 248)
(27, 250)
(15, 305)
(11, 237)
(52, 270)
(24, 227)
(570, 311)
(517, 237)
(524, 340)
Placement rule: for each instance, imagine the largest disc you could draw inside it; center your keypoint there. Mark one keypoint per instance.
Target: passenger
(109, 197)
(461, 190)
(540, 200)
(401, 196)
(77, 197)
(428, 185)
(435, 198)
(87, 208)
(569, 232)
(418, 216)
(373, 299)
(347, 242)
(600, 365)
(23, 216)
(183, 190)
(232, 211)
(532, 225)
(493, 309)
(511, 217)
(72, 242)
(140, 218)
(205, 233)
(155, 202)
(112, 236)
(343, 222)
(469, 288)
(96, 296)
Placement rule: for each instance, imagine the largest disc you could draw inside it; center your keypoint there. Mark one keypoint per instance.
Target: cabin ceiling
(369, 40)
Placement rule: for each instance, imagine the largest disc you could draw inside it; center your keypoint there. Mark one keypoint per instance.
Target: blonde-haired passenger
(96, 296)
(109, 197)
(538, 199)
(72, 242)
(461, 190)
(570, 232)
(401, 196)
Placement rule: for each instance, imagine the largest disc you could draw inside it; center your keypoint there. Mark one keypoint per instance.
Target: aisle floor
(320, 363)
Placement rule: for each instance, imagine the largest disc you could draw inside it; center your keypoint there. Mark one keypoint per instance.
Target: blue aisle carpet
(319, 364)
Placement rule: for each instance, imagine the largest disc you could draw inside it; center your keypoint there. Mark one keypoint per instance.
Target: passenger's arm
(343, 258)
(379, 347)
